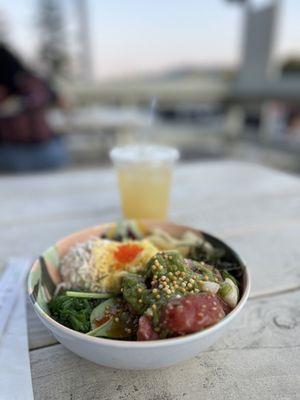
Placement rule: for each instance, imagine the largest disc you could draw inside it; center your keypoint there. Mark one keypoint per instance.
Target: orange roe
(127, 252)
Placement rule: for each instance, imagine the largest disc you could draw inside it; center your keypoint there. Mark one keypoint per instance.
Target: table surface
(254, 209)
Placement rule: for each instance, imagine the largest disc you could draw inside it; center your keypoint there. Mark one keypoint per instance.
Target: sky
(134, 36)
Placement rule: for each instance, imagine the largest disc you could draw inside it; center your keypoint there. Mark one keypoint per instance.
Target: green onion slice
(89, 295)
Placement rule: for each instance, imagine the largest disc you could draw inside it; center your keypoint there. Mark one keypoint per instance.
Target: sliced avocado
(98, 312)
(112, 319)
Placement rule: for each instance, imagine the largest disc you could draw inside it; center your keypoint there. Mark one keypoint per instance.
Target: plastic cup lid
(144, 153)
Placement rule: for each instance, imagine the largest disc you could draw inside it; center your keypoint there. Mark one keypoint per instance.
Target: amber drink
(144, 176)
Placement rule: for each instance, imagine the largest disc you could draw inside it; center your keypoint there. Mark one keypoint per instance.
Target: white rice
(75, 267)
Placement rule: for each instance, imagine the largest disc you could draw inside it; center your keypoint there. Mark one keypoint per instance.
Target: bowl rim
(131, 344)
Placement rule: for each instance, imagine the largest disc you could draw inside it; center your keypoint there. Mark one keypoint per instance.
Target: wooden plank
(271, 256)
(247, 205)
(258, 359)
(244, 375)
(42, 198)
(38, 335)
(35, 198)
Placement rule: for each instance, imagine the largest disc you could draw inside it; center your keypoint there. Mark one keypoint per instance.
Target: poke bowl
(138, 294)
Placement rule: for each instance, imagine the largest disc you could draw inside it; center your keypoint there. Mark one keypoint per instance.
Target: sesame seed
(214, 308)
(154, 306)
(191, 281)
(117, 319)
(189, 285)
(197, 290)
(158, 296)
(140, 300)
(160, 267)
(163, 278)
(200, 314)
(183, 284)
(140, 290)
(154, 290)
(206, 277)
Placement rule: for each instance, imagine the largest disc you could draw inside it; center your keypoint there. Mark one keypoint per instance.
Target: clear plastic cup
(144, 175)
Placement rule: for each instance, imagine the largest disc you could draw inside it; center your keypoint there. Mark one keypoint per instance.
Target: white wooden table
(256, 210)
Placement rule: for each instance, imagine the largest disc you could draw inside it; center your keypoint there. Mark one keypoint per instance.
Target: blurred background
(219, 79)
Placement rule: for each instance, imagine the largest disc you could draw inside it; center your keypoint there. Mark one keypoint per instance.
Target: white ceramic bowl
(44, 275)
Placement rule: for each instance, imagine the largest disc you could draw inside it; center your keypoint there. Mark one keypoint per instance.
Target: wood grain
(258, 359)
(38, 335)
(207, 187)
(253, 208)
(248, 206)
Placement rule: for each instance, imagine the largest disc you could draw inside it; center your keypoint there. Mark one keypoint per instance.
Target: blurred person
(274, 120)
(27, 143)
(293, 122)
